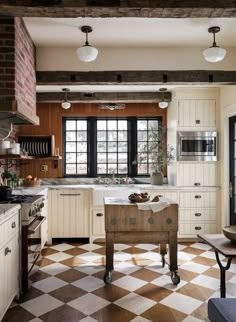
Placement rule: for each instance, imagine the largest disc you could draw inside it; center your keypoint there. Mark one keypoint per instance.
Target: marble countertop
(6, 210)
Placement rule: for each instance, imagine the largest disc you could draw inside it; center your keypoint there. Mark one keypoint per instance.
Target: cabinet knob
(198, 197)
(198, 121)
(198, 228)
(7, 250)
(99, 214)
(13, 225)
(198, 214)
(197, 184)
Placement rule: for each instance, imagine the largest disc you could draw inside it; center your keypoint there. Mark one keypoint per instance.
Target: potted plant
(160, 154)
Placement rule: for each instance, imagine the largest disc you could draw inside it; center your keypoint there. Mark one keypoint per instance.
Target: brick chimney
(17, 70)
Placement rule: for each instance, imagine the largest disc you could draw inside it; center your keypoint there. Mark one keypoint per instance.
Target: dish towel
(154, 206)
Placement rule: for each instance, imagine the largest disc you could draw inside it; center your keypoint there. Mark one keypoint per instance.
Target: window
(102, 146)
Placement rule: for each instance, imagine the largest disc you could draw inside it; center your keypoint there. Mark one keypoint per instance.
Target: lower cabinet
(197, 213)
(68, 213)
(9, 262)
(97, 228)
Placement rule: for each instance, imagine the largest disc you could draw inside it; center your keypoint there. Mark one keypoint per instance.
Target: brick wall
(25, 77)
(17, 63)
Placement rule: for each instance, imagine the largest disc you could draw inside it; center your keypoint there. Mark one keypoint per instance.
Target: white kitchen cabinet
(196, 113)
(97, 223)
(9, 260)
(198, 212)
(197, 174)
(68, 213)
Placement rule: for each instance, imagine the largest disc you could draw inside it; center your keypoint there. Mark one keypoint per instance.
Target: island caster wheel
(107, 277)
(163, 261)
(175, 278)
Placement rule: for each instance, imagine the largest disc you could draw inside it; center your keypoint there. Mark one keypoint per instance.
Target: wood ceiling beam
(108, 97)
(180, 77)
(119, 8)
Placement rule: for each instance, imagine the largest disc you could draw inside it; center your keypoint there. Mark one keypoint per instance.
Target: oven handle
(40, 220)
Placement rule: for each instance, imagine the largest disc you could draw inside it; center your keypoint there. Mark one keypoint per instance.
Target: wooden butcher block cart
(125, 223)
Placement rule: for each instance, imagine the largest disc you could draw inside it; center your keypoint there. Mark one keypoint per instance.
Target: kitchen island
(125, 223)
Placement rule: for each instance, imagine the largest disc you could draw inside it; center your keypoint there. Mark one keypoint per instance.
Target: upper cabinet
(197, 113)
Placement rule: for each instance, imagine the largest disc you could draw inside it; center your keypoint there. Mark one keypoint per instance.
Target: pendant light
(65, 104)
(163, 104)
(215, 53)
(87, 53)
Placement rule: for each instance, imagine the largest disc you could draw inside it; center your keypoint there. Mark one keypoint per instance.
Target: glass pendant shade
(214, 54)
(65, 105)
(163, 104)
(87, 53)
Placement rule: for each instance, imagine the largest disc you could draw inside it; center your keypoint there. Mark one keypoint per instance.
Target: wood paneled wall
(51, 124)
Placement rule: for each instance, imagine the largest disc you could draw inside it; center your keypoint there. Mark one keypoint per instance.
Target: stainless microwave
(196, 146)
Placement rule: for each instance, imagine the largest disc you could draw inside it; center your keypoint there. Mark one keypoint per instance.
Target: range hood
(17, 113)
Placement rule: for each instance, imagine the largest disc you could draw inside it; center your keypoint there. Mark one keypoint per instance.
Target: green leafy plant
(160, 153)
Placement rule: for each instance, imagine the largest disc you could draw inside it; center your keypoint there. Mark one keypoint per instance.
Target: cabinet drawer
(197, 199)
(98, 222)
(9, 228)
(197, 228)
(199, 214)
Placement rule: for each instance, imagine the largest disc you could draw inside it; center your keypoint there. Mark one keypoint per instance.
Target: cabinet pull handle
(99, 214)
(13, 225)
(198, 197)
(7, 250)
(198, 228)
(197, 184)
(198, 121)
(69, 194)
(198, 214)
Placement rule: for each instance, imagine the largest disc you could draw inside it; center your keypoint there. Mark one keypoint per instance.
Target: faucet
(113, 177)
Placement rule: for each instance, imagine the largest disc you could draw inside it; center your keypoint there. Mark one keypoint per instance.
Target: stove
(31, 206)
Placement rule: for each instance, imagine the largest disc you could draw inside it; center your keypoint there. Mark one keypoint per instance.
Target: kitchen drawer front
(196, 228)
(9, 228)
(198, 214)
(172, 195)
(197, 199)
(98, 222)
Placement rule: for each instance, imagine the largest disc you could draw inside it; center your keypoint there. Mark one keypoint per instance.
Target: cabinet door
(186, 113)
(205, 113)
(9, 273)
(98, 222)
(196, 175)
(197, 113)
(3, 280)
(69, 213)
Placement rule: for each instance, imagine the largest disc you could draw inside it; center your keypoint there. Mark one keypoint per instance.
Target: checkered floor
(69, 285)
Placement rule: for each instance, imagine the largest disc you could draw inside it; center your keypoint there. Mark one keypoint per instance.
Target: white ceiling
(131, 32)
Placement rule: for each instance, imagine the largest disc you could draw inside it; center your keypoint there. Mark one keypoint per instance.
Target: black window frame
(92, 143)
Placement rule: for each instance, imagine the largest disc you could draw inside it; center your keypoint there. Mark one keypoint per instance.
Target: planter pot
(157, 178)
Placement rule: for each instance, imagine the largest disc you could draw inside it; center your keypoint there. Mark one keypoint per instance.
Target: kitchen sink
(101, 191)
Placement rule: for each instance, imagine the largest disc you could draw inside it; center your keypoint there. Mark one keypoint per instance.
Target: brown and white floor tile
(69, 285)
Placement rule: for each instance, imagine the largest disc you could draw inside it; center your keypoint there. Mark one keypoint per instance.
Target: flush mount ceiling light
(163, 103)
(111, 106)
(65, 104)
(87, 53)
(214, 53)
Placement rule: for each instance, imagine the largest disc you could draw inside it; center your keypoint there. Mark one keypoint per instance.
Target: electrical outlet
(44, 167)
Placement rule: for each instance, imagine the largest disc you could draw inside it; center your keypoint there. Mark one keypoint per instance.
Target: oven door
(34, 240)
(197, 146)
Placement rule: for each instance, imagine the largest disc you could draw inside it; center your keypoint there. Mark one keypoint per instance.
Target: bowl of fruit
(31, 181)
(139, 197)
